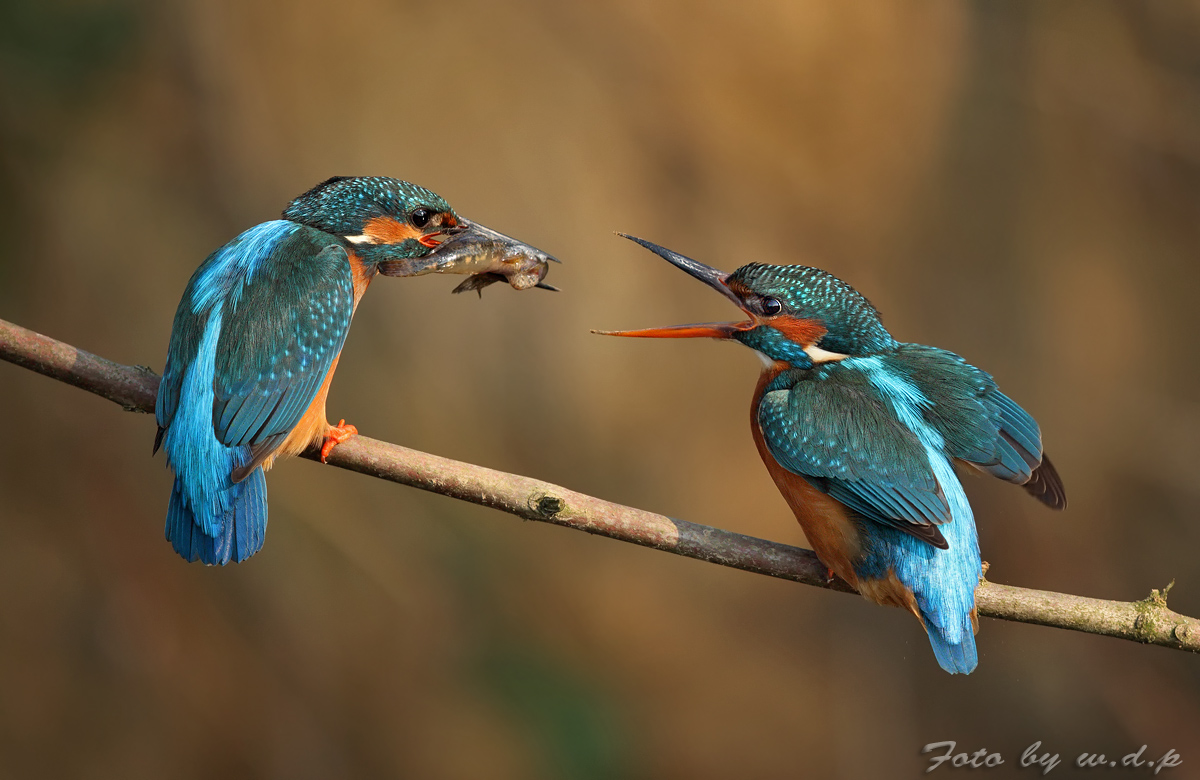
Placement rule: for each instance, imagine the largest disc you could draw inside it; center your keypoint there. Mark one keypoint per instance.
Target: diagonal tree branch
(135, 387)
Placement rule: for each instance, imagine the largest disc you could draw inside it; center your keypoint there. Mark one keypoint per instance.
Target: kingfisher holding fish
(258, 333)
(861, 432)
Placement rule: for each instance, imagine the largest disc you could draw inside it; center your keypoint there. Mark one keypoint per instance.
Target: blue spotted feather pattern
(859, 430)
(259, 326)
(833, 427)
(879, 433)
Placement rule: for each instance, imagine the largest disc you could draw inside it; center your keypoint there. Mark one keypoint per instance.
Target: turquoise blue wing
(836, 431)
(214, 287)
(978, 423)
(255, 334)
(284, 328)
(285, 295)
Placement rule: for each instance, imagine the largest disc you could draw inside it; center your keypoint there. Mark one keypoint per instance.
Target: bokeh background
(1018, 182)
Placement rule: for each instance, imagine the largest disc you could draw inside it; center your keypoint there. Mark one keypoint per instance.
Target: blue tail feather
(960, 658)
(210, 518)
(251, 520)
(942, 581)
(240, 529)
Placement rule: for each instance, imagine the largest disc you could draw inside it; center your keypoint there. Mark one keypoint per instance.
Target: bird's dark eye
(771, 306)
(420, 217)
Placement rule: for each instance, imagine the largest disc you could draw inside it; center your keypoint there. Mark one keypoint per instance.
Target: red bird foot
(336, 435)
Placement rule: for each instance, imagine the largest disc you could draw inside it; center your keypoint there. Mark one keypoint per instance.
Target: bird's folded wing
(280, 336)
(842, 437)
(284, 296)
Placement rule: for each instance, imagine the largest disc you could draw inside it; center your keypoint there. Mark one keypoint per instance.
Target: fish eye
(420, 217)
(771, 306)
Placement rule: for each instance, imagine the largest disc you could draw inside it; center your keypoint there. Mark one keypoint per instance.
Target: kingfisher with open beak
(861, 432)
(258, 333)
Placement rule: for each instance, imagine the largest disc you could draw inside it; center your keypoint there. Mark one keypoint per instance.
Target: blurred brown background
(1016, 182)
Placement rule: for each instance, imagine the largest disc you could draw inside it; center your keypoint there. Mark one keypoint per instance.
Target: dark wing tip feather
(1046, 486)
(158, 439)
(927, 533)
(259, 452)
(1031, 460)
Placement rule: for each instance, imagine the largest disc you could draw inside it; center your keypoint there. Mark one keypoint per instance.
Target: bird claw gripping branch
(337, 434)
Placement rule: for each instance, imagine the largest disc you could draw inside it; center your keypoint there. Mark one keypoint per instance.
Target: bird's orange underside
(361, 275)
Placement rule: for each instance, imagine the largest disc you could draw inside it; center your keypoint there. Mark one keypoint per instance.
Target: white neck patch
(818, 355)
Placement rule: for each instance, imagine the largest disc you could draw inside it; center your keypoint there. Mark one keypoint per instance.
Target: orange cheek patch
(386, 230)
(803, 332)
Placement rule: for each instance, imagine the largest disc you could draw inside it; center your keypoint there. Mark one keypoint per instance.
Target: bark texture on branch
(134, 388)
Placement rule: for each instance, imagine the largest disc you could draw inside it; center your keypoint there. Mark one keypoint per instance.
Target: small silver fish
(487, 255)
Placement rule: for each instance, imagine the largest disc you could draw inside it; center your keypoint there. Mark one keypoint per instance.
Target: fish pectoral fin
(477, 282)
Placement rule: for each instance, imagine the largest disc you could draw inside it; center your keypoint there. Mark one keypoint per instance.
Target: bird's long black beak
(468, 236)
(707, 274)
(486, 255)
(694, 268)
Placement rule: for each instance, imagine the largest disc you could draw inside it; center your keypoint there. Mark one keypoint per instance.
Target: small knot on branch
(545, 505)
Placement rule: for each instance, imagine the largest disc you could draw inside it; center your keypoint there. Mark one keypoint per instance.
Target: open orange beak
(707, 274)
(705, 330)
